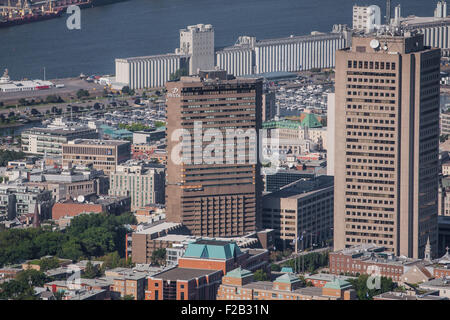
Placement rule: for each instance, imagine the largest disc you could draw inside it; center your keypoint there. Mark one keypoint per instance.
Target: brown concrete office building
(102, 154)
(386, 142)
(213, 199)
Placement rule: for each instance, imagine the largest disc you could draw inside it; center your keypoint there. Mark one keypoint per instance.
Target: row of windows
(377, 65)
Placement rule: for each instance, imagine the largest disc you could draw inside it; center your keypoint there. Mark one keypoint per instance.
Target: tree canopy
(10, 155)
(22, 287)
(364, 293)
(90, 235)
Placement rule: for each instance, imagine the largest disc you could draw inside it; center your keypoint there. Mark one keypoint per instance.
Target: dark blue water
(146, 27)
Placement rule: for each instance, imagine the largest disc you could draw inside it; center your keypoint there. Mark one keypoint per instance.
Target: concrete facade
(386, 144)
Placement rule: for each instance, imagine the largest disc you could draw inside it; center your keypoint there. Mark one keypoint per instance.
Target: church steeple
(427, 255)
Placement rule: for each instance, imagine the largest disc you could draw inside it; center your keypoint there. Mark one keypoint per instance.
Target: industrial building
(294, 53)
(149, 71)
(247, 57)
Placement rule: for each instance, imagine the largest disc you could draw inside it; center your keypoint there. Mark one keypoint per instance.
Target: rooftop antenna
(388, 12)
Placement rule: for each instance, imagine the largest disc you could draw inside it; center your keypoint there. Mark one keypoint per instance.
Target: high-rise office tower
(386, 143)
(213, 192)
(197, 41)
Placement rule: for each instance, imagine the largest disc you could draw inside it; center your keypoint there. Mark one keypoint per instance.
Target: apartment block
(143, 182)
(20, 200)
(49, 141)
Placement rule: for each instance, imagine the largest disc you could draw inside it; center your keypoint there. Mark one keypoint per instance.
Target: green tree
(158, 257)
(113, 260)
(159, 124)
(91, 271)
(275, 267)
(23, 102)
(128, 91)
(364, 293)
(81, 93)
(260, 275)
(10, 155)
(22, 287)
(48, 263)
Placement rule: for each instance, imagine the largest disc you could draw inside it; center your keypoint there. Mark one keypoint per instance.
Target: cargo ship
(28, 12)
(28, 18)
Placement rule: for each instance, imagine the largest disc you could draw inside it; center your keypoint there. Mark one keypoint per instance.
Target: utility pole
(44, 73)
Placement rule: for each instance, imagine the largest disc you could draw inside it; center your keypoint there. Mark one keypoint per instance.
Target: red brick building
(200, 270)
(369, 259)
(111, 205)
(239, 284)
(184, 284)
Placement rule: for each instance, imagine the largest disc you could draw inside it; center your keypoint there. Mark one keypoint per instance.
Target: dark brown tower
(213, 199)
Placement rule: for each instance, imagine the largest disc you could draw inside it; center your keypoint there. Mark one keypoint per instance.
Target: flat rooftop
(97, 142)
(58, 131)
(154, 57)
(413, 20)
(183, 274)
(159, 227)
(404, 296)
(268, 286)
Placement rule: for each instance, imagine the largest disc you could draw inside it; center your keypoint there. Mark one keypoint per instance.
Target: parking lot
(71, 86)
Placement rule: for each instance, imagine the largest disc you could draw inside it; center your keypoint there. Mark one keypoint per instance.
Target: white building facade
(149, 71)
(197, 41)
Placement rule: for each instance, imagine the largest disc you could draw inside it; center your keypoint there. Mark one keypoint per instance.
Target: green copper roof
(337, 284)
(239, 273)
(212, 249)
(285, 124)
(287, 278)
(311, 121)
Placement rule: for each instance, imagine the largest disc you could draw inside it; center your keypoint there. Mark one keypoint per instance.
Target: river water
(147, 27)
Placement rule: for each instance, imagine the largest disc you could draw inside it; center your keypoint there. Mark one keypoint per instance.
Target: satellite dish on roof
(374, 44)
(80, 198)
